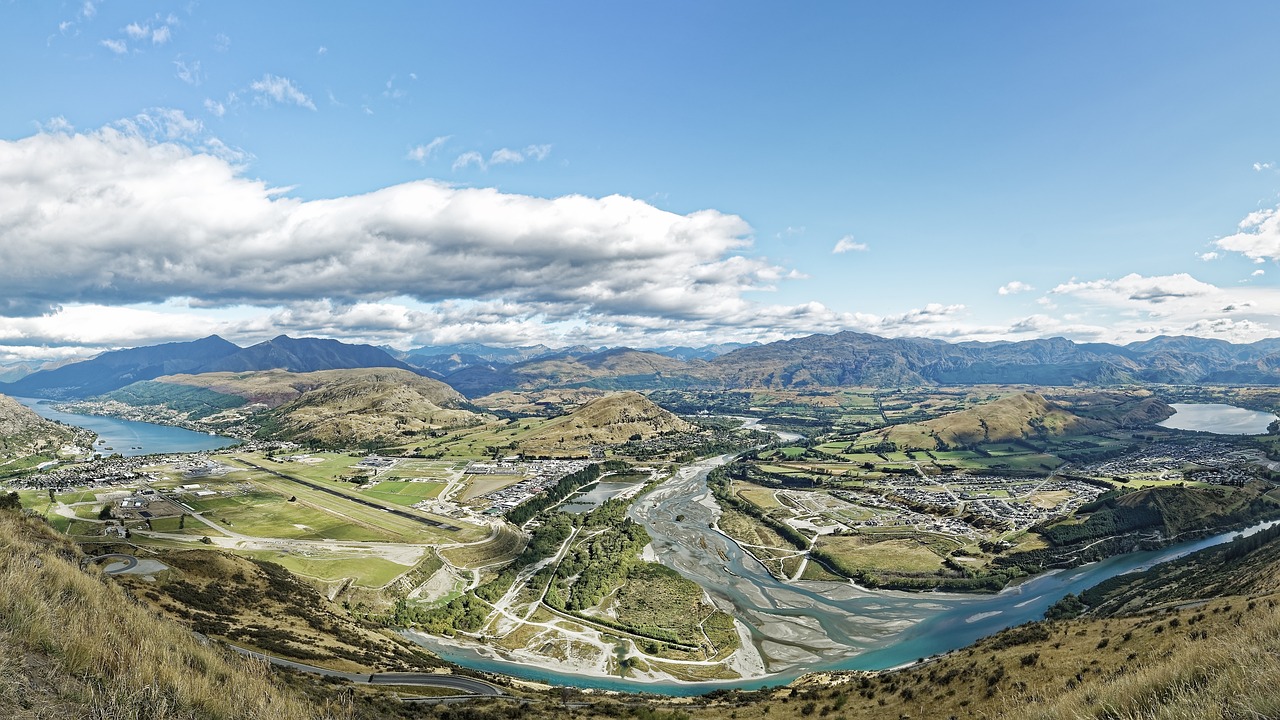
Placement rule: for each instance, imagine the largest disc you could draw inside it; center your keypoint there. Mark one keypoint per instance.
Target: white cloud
(160, 35)
(322, 50)
(221, 42)
(136, 31)
(273, 88)
(116, 46)
(848, 244)
(422, 153)
(505, 155)
(1014, 287)
(1208, 256)
(1258, 236)
(502, 156)
(88, 9)
(1256, 273)
(120, 216)
(471, 157)
(1260, 166)
(214, 107)
(189, 74)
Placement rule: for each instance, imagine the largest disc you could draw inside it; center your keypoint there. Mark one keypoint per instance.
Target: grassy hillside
(609, 420)
(327, 406)
(1026, 415)
(73, 645)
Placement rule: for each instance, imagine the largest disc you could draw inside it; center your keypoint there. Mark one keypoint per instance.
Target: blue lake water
(130, 438)
(1218, 418)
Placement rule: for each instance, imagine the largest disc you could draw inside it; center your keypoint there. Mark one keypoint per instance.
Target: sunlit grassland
(866, 552)
(404, 493)
(367, 572)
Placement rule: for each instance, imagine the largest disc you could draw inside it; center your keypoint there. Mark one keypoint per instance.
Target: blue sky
(657, 173)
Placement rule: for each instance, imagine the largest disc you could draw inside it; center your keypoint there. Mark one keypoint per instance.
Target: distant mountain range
(116, 369)
(842, 359)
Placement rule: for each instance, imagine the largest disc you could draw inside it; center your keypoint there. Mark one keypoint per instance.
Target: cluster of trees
(1104, 523)
(599, 564)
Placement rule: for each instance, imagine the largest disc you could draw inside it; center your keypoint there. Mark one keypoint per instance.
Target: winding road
(469, 685)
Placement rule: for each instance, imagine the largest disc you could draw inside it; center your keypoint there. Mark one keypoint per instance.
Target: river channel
(807, 626)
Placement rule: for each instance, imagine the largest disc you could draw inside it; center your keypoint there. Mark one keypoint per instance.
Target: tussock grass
(1217, 679)
(74, 646)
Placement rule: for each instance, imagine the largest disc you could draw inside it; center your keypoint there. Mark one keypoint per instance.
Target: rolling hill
(609, 420)
(329, 406)
(1027, 415)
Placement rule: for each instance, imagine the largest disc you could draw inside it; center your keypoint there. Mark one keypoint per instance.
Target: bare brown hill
(609, 420)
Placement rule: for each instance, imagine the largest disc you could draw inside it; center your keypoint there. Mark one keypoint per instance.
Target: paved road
(448, 682)
(130, 562)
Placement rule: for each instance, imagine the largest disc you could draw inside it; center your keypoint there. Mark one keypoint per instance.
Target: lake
(130, 438)
(1218, 419)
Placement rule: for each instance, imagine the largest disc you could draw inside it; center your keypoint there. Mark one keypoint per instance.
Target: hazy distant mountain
(842, 359)
(483, 352)
(705, 352)
(615, 369)
(118, 368)
(850, 358)
(301, 355)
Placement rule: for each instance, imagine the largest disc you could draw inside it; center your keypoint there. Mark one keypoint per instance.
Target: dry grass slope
(72, 645)
(608, 420)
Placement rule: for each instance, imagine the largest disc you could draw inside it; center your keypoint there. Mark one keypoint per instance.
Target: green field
(365, 572)
(404, 493)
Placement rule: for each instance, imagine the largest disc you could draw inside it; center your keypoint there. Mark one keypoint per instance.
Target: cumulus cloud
(273, 88)
(118, 47)
(1258, 237)
(1133, 286)
(848, 244)
(1208, 256)
(1260, 166)
(214, 107)
(125, 216)
(1014, 287)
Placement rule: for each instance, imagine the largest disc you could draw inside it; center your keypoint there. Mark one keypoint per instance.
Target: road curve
(130, 562)
(448, 682)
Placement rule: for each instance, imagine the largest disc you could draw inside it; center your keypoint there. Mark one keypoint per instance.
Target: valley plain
(673, 540)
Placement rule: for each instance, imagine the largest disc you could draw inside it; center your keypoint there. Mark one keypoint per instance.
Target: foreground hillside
(72, 645)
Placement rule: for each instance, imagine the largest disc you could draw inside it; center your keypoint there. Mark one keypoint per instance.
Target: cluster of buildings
(539, 475)
(1220, 463)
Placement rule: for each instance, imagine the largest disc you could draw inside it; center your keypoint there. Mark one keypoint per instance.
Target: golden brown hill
(1027, 415)
(609, 420)
(339, 406)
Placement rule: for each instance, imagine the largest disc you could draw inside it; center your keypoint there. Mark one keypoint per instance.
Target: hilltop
(609, 420)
